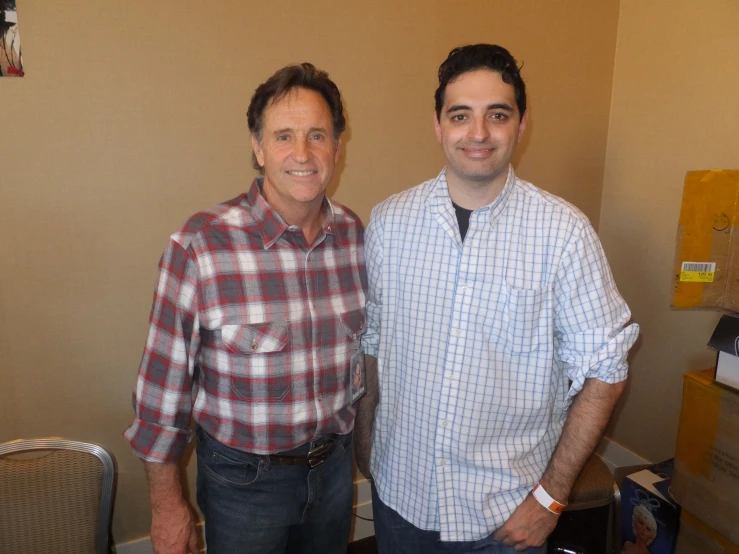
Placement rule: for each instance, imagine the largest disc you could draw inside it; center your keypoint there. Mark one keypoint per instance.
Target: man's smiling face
(297, 149)
(479, 128)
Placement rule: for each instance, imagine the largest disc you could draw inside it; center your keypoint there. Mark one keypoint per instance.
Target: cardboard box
(725, 339)
(649, 516)
(695, 537)
(706, 477)
(706, 271)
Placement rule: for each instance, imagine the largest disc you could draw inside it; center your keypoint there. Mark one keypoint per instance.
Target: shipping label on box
(706, 270)
(706, 477)
(649, 515)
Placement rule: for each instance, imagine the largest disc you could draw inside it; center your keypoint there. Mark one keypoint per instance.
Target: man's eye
(317, 136)
(499, 116)
(282, 137)
(458, 117)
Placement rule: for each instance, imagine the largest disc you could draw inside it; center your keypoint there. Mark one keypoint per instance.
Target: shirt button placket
(315, 337)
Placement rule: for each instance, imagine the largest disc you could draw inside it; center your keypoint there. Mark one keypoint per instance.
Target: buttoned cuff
(157, 443)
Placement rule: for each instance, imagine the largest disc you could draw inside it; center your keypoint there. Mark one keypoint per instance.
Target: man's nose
(479, 130)
(301, 152)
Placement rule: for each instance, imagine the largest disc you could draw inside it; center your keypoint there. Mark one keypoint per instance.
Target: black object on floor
(365, 546)
(581, 532)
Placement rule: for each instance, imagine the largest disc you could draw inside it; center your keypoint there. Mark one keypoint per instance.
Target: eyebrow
(497, 106)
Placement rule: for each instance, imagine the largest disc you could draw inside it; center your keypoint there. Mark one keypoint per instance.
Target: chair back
(55, 496)
(593, 488)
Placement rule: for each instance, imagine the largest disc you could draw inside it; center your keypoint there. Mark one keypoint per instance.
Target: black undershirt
(463, 219)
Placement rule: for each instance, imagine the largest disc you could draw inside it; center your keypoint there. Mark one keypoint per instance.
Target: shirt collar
(438, 195)
(270, 223)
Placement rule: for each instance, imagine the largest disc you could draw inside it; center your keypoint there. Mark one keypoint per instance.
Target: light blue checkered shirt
(476, 344)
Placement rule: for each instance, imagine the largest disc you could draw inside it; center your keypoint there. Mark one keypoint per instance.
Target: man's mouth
(477, 151)
(302, 173)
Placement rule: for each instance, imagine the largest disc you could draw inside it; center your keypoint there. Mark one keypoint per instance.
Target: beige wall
(675, 108)
(132, 118)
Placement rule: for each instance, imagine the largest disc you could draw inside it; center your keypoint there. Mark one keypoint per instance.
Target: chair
(594, 488)
(55, 496)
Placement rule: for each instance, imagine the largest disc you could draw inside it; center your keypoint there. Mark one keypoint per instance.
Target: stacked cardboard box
(706, 275)
(706, 270)
(698, 538)
(706, 476)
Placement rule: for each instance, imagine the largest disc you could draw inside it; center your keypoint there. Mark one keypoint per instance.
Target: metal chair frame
(106, 496)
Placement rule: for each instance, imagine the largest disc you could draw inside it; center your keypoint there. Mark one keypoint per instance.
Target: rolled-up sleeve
(163, 395)
(592, 329)
(374, 257)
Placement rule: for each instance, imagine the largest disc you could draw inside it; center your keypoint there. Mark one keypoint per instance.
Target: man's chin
(480, 177)
(309, 198)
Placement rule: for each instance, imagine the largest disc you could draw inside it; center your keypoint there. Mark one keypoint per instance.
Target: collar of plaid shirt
(270, 223)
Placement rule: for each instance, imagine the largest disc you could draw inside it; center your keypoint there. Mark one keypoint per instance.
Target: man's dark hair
(306, 76)
(481, 56)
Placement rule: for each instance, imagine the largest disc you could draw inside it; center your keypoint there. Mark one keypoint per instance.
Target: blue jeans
(251, 506)
(395, 535)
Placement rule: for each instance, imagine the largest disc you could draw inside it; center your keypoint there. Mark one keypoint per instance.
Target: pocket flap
(255, 339)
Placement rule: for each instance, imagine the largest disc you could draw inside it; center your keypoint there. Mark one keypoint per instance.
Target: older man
(487, 297)
(255, 335)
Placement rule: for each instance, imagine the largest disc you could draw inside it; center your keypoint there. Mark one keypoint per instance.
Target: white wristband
(547, 501)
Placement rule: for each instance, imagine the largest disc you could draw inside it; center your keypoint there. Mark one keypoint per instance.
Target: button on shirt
(251, 331)
(476, 342)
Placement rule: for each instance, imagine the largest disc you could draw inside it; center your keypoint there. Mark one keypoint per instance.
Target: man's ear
(437, 127)
(258, 152)
(522, 126)
(337, 155)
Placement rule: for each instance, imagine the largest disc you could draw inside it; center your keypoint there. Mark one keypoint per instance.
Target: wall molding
(616, 455)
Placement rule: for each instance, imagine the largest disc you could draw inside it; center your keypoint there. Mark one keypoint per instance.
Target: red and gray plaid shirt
(251, 331)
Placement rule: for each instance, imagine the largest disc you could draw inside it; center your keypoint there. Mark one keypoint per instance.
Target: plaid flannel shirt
(251, 331)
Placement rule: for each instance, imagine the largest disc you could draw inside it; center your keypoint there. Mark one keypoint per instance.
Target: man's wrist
(545, 499)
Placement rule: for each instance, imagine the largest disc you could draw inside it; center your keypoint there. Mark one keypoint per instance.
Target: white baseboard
(139, 546)
(612, 453)
(142, 545)
(615, 455)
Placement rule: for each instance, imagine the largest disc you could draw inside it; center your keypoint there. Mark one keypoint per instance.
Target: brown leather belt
(315, 456)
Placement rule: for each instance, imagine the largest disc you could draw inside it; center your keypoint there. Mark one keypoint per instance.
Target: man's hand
(366, 418)
(172, 525)
(363, 462)
(529, 525)
(173, 530)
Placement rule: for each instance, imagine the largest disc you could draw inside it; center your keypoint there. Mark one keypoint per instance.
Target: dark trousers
(395, 535)
(254, 507)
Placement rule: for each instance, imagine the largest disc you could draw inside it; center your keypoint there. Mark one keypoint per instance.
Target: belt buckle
(316, 455)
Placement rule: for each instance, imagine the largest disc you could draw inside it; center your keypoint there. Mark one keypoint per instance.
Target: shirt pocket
(260, 369)
(354, 324)
(525, 319)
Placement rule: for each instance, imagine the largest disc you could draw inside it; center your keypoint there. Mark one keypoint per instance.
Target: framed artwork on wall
(11, 62)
